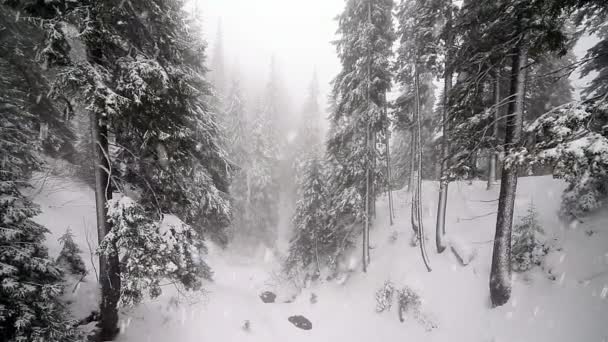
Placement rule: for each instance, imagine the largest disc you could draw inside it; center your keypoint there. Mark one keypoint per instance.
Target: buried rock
(268, 297)
(300, 322)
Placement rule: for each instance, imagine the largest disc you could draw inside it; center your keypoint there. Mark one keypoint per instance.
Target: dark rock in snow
(268, 297)
(300, 322)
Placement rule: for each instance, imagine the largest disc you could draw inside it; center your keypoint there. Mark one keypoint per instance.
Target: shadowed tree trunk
(500, 274)
(109, 271)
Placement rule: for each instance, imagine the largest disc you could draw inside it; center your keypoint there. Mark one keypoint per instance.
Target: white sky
(297, 32)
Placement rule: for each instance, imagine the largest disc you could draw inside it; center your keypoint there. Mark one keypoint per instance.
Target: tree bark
(442, 203)
(388, 176)
(365, 247)
(416, 198)
(500, 274)
(109, 270)
(493, 158)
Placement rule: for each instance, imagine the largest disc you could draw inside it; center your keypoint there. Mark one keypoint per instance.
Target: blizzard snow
(455, 298)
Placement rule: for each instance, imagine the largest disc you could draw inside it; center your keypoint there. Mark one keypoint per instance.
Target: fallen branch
(476, 217)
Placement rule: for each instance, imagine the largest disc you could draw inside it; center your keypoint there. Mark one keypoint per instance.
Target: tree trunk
(365, 247)
(109, 270)
(500, 274)
(410, 176)
(493, 158)
(442, 203)
(388, 176)
(416, 198)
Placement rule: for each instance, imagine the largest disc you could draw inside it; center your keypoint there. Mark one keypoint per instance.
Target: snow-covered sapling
(409, 302)
(384, 297)
(69, 258)
(527, 249)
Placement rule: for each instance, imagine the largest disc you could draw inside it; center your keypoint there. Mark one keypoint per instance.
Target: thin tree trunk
(442, 203)
(500, 274)
(365, 247)
(493, 158)
(417, 200)
(410, 176)
(368, 162)
(373, 174)
(388, 177)
(109, 271)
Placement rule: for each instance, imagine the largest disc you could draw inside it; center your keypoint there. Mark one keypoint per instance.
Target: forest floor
(455, 300)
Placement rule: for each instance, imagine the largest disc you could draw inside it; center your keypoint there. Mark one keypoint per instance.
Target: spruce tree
(69, 257)
(262, 184)
(237, 146)
(364, 48)
(30, 281)
(138, 69)
(309, 249)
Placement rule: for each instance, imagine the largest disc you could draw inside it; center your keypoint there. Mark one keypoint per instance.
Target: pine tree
(152, 252)
(309, 131)
(147, 96)
(527, 248)
(262, 184)
(364, 49)
(69, 258)
(30, 282)
(237, 147)
(309, 250)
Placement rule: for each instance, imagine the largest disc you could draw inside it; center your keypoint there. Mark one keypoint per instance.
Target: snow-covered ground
(455, 298)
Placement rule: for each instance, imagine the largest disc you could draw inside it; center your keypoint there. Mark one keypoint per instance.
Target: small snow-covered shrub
(527, 250)
(384, 297)
(409, 302)
(69, 258)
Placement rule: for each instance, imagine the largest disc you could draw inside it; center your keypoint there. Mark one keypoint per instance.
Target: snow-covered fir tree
(237, 145)
(309, 131)
(310, 249)
(69, 257)
(30, 281)
(149, 99)
(527, 248)
(262, 184)
(364, 47)
(152, 252)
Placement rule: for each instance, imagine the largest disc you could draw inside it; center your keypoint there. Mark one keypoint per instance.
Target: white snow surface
(573, 307)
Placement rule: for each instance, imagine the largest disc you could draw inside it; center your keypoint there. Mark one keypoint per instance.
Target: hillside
(455, 300)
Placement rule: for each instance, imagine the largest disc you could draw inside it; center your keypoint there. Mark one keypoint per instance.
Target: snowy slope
(455, 298)
(68, 204)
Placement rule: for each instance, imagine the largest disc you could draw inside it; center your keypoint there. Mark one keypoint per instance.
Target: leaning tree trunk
(109, 270)
(500, 274)
(493, 157)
